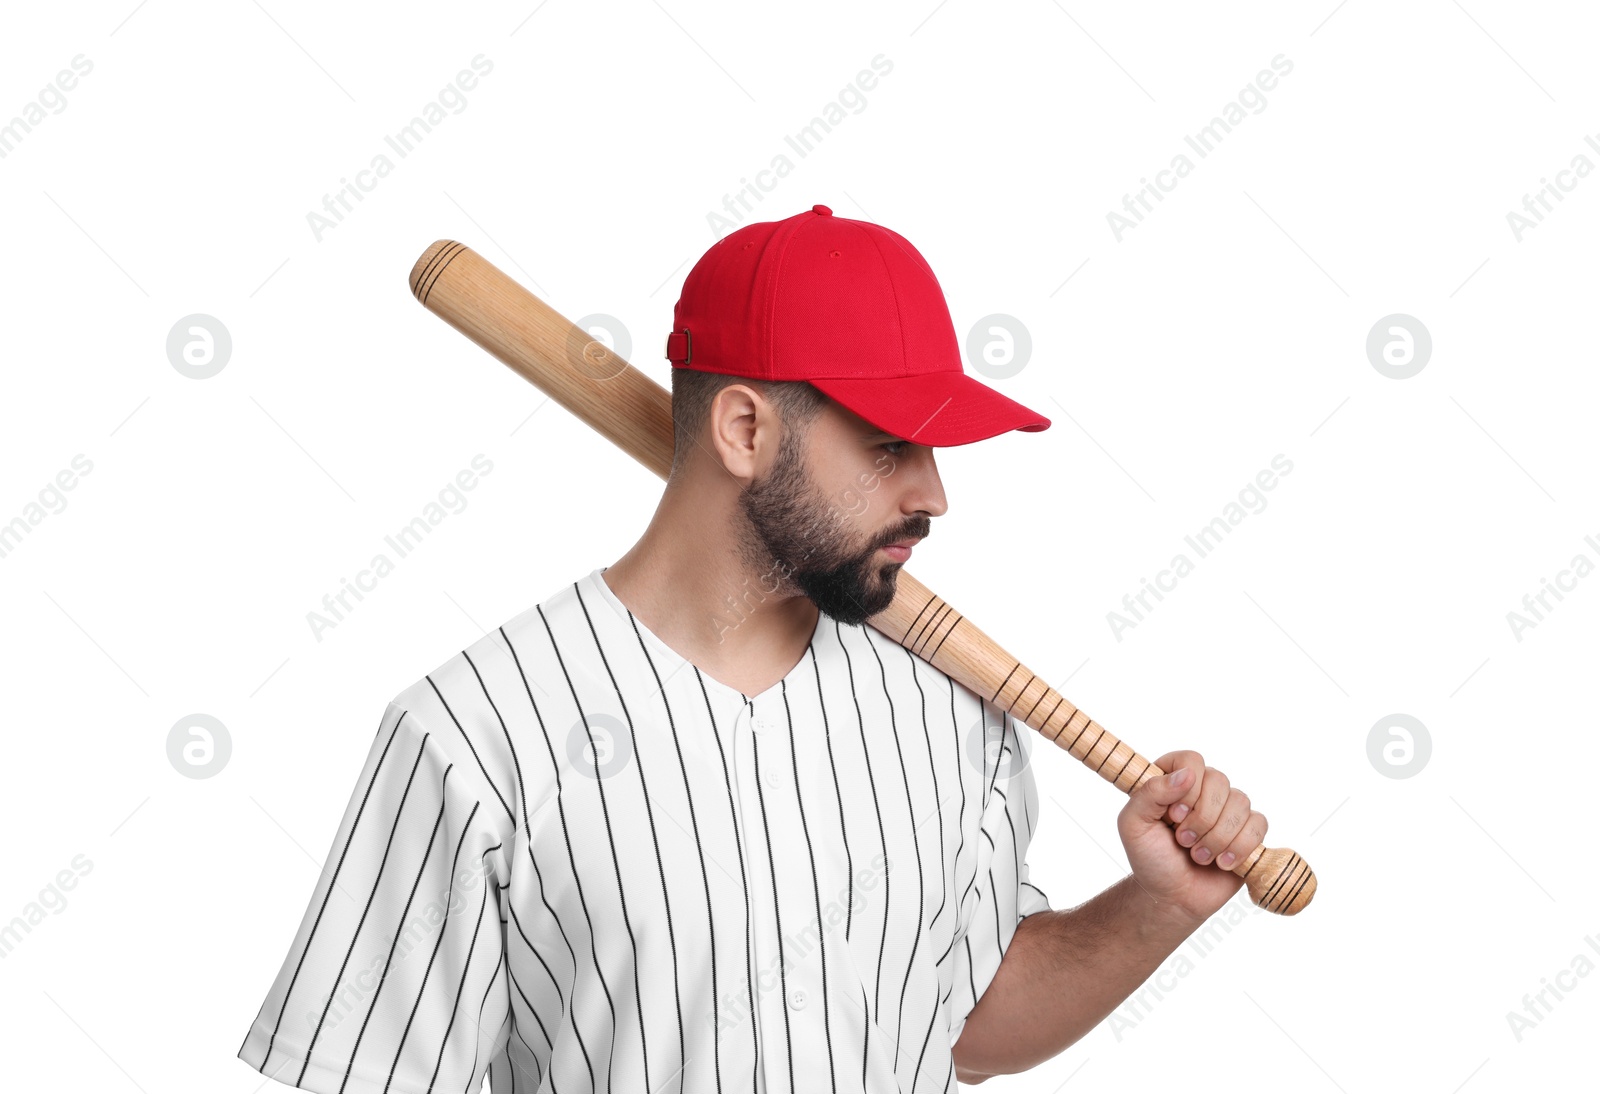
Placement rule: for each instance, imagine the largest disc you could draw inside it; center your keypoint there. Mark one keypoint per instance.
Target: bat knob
(1279, 880)
(432, 263)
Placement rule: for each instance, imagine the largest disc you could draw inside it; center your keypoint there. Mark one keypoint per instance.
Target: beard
(796, 534)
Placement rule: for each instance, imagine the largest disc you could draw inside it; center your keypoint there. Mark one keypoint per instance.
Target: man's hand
(1065, 971)
(1215, 827)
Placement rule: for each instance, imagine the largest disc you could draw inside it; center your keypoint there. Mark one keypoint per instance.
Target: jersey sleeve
(1001, 894)
(395, 980)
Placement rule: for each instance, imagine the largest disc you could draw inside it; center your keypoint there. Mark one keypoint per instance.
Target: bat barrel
(538, 343)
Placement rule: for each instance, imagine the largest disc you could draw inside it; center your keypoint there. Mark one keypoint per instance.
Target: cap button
(822, 210)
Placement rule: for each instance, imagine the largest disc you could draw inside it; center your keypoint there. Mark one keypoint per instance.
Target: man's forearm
(1064, 971)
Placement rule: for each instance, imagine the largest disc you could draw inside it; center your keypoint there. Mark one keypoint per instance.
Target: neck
(691, 581)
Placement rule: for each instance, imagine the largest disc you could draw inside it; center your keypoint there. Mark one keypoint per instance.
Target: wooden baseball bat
(635, 413)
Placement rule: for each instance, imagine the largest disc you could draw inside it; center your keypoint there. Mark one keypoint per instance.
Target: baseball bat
(635, 413)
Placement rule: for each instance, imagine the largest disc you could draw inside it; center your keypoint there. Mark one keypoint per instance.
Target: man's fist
(1214, 827)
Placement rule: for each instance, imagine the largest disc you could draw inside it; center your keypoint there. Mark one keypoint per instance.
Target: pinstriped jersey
(574, 862)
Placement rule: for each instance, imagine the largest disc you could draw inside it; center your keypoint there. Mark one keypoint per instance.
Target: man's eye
(894, 447)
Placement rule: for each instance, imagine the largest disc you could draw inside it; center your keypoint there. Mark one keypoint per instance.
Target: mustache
(916, 531)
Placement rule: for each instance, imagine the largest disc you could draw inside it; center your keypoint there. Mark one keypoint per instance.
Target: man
(687, 824)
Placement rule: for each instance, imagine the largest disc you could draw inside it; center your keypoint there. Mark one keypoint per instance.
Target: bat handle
(1279, 880)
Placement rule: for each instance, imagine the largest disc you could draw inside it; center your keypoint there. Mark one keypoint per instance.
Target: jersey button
(797, 999)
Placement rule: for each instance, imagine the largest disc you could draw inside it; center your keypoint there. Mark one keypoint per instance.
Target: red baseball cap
(848, 306)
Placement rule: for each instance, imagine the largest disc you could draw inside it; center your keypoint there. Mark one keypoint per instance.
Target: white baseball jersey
(573, 862)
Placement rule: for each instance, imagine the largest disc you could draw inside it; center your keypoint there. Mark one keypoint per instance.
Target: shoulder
(479, 703)
(460, 680)
(866, 646)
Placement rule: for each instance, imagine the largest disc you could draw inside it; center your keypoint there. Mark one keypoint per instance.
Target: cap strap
(679, 346)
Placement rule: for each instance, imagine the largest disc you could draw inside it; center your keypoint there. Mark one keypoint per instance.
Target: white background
(1228, 327)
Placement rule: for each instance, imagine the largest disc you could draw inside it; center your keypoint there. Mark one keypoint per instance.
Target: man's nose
(927, 492)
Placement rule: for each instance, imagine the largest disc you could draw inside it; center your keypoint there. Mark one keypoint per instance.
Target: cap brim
(938, 409)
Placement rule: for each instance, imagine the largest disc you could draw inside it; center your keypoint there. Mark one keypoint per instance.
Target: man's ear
(740, 419)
